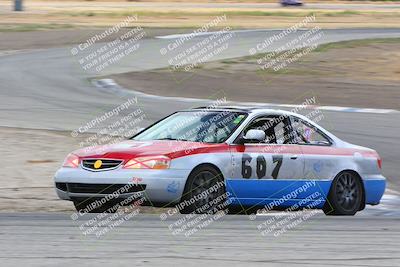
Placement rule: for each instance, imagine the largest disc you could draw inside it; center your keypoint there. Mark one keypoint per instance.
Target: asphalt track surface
(39, 88)
(55, 240)
(47, 89)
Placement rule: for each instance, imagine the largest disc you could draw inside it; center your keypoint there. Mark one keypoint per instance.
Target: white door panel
(257, 161)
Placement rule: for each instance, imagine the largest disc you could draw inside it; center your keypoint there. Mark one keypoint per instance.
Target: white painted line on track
(198, 34)
(111, 86)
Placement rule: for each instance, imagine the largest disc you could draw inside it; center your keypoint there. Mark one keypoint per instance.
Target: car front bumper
(161, 186)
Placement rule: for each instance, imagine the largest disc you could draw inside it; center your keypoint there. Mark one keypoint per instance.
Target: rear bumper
(161, 186)
(374, 189)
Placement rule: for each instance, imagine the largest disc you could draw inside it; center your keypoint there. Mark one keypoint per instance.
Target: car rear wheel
(90, 206)
(204, 192)
(345, 195)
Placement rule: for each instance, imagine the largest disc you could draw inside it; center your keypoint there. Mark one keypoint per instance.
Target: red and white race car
(251, 157)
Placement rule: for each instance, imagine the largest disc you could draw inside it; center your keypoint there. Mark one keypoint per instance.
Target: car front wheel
(204, 192)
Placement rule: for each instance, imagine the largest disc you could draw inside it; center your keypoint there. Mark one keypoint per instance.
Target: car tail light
(156, 162)
(379, 160)
(71, 161)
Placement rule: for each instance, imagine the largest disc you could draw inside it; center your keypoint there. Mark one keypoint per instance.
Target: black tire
(85, 205)
(200, 182)
(345, 195)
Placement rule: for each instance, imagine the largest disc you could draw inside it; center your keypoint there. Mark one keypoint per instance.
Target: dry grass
(347, 73)
(45, 16)
(229, 1)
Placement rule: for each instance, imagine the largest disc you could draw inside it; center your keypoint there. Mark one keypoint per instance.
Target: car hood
(129, 149)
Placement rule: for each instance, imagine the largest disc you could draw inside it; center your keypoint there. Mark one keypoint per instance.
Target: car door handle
(293, 157)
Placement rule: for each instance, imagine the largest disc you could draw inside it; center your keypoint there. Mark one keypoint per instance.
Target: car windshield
(195, 126)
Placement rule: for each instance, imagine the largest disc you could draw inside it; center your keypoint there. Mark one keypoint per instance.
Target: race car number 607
(261, 166)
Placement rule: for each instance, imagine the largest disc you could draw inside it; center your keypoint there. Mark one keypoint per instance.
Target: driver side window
(277, 129)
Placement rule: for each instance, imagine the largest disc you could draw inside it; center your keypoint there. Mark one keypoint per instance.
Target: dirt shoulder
(29, 166)
(50, 15)
(354, 74)
(31, 159)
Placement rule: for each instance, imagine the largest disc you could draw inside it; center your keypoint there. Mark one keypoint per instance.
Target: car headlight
(156, 162)
(71, 161)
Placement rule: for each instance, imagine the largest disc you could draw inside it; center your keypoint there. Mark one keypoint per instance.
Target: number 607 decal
(261, 166)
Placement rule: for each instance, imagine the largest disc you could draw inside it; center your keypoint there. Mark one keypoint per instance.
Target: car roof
(247, 109)
(255, 111)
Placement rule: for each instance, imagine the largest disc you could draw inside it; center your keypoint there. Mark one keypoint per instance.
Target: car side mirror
(253, 135)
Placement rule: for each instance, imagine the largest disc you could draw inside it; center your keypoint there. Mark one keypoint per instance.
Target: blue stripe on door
(289, 192)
